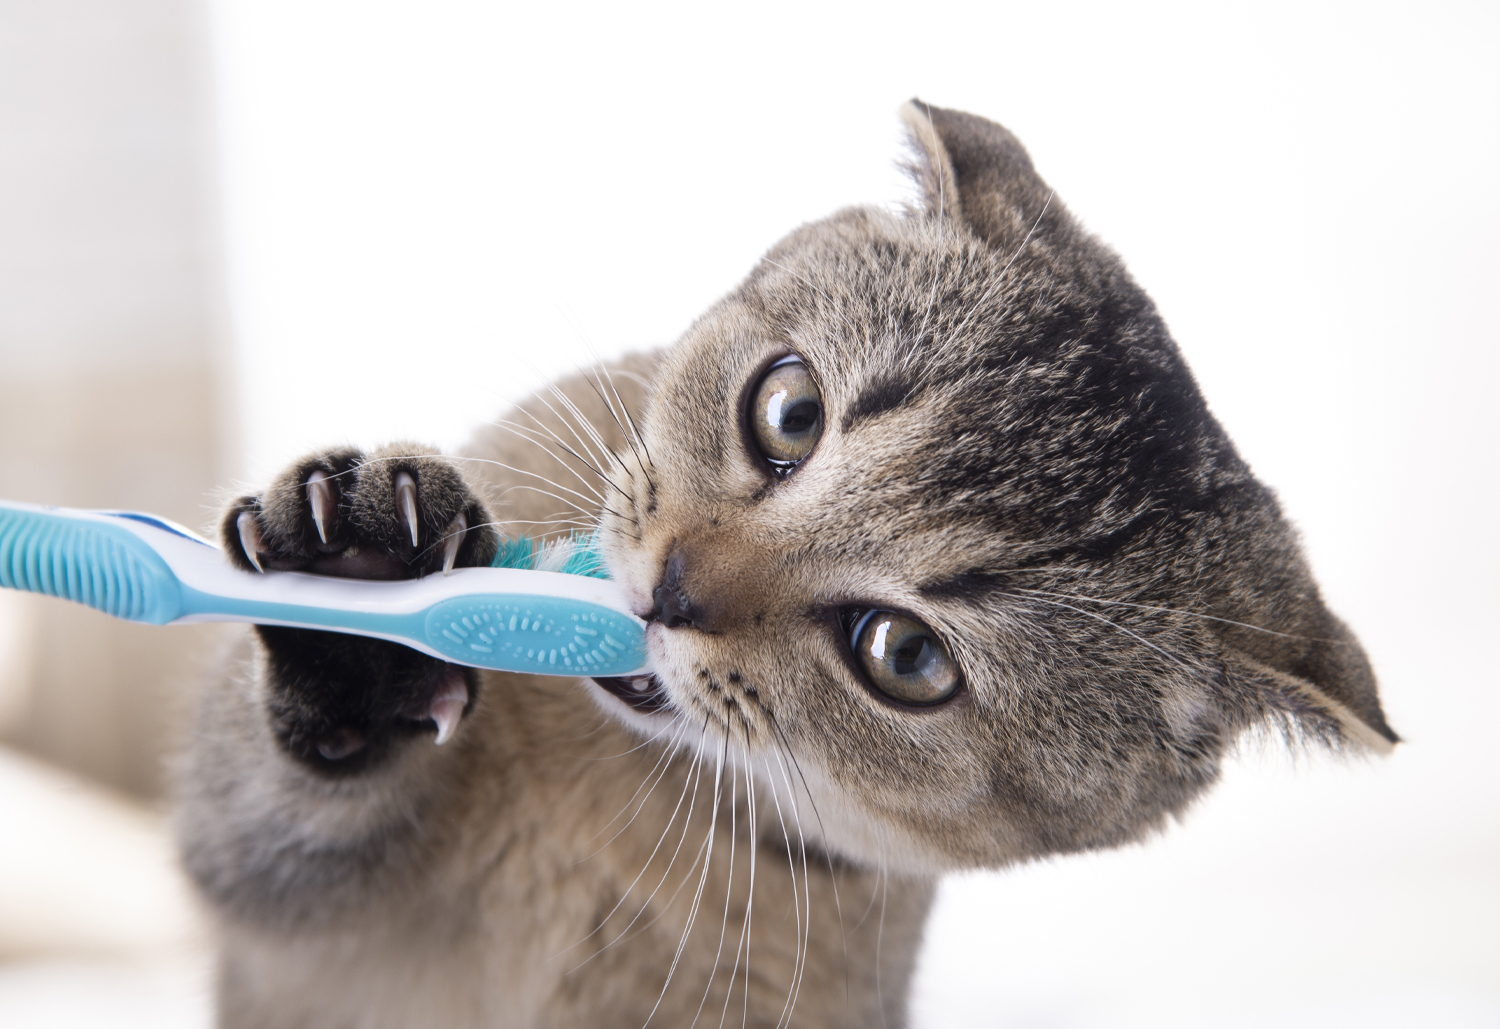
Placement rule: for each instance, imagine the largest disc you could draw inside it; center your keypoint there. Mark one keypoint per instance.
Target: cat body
(463, 885)
(946, 565)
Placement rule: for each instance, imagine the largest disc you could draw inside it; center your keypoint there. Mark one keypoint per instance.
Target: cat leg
(314, 770)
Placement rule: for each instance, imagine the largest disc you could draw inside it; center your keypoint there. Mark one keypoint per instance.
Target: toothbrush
(147, 569)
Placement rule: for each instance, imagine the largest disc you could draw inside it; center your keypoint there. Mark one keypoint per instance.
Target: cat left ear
(974, 172)
(1312, 709)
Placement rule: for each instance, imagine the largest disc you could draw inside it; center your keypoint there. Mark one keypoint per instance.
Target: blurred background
(233, 230)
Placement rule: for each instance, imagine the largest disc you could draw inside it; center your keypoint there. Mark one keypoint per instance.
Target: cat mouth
(645, 693)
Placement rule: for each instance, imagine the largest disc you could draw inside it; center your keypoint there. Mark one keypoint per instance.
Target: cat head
(934, 529)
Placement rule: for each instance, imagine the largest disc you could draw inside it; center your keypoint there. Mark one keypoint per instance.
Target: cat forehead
(865, 279)
(1035, 391)
(867, 291)
(900, 312)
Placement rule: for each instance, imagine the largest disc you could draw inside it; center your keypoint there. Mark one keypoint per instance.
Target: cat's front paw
(398, 513)
(341, 702)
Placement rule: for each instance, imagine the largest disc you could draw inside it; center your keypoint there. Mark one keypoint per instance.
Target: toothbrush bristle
(577, 554)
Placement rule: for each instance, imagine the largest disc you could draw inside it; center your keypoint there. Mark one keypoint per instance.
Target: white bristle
(554, 555)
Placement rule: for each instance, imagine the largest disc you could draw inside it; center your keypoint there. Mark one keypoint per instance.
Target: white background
(431, 207)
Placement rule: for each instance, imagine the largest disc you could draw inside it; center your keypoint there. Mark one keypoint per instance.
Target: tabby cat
(946, 565)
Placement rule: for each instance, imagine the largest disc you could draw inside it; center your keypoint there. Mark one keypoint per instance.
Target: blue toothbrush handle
(145, 569)
(89, 561)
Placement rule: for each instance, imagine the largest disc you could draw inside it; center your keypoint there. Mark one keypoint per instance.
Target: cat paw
(340, 703)
(398, 513)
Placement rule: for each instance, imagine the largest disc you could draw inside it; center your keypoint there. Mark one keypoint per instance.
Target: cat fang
(643, 693)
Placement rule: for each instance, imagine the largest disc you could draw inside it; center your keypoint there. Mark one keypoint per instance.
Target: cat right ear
(974, 172)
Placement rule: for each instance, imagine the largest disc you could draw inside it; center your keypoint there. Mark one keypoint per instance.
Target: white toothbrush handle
(148, 569)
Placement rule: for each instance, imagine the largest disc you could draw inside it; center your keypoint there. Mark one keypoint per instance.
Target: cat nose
(676, 607)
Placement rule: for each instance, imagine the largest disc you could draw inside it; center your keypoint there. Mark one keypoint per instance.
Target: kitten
(947, 566)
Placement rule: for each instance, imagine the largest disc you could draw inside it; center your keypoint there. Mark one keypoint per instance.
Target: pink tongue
(448, 705)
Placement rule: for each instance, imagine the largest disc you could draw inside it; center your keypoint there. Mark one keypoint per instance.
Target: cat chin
(816, 811)
(835, 823)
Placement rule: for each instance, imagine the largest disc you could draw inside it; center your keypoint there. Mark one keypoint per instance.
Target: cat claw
(406, 503)
(320, 498)
(448, 705)
(250, 541)
(453, 540)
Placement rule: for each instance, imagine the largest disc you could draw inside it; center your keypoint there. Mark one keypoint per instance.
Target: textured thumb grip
(107, 568)
(537, 634)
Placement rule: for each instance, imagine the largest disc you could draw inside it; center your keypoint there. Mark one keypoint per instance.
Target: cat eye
(902, 658)
(786, 414)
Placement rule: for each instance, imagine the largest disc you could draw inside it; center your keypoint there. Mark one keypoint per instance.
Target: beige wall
(111, 348)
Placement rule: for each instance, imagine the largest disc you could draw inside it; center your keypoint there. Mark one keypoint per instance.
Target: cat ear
(1322, 684)
(975, 172)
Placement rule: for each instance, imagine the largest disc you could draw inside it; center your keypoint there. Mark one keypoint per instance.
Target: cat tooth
(453, 540)
(448, 706)
(320, 499)
(406, 503)
(250, 541)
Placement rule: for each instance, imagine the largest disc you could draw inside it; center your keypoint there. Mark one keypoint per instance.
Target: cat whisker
(885, 882)
(587, 423)
(504, 525)
(635, 430)
(604, 477)
(690, 794)
(1028, 235)
(742, 946)
(676, 720)
(547, 493)
(664, 762)
(631, 434)
(997, 284)
(587, 524)
(804, 928)
(787, 747)
(553, 388)
(752, 816)
(665, 906)
(625, 934)
(582, 510)
(874, 893)
(579, 420)
(545, 438)
(523, 432)
(713, 969)
(1114, 625)
(447, 538)
(1189, 614)
(596, 499)
(603, 721)
(838, 905)
(786, 834)
(702, 882)
(630, 440)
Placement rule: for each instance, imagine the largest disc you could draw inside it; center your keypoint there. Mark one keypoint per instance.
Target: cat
(946, 565)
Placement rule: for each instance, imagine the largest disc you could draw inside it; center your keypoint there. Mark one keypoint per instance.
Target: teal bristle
(515, 553)
(583, 557)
